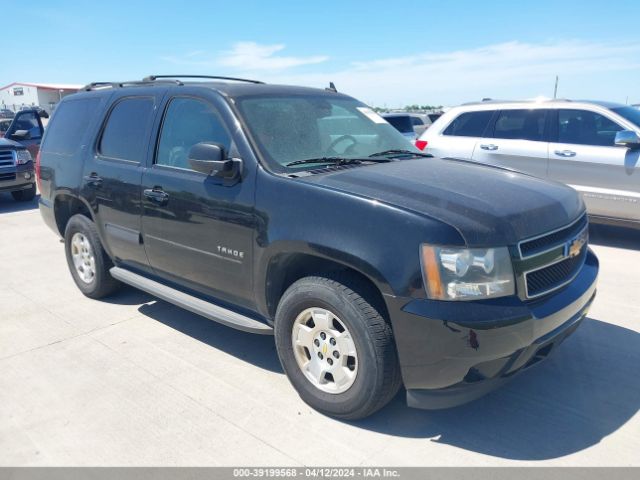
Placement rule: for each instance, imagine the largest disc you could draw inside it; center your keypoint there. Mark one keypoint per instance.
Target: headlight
(22, 157)
(467, 273)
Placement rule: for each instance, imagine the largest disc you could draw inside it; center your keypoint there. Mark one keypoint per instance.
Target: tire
(97, 281)
(375, 371)
(24, 195)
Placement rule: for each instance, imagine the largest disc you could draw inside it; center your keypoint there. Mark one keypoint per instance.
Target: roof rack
(152, 78)
(101, 85)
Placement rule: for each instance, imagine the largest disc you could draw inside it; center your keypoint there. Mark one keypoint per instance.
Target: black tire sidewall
(301, 297)
(101, 284)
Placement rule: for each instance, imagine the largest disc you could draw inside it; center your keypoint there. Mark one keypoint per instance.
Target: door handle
(489, 146)
(93, 180)
(157, 195)
(565, 153)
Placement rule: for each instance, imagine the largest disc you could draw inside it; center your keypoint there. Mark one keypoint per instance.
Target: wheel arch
(66, 206)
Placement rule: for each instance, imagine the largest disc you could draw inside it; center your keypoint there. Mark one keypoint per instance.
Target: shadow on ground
(587, 390)
(259, 350)
(8, 204)
(612, 236)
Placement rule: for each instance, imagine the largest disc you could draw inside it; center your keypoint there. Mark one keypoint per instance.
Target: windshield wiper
(398, 152)
(336, 161)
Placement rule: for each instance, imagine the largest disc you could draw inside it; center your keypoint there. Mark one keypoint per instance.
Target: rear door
(516, 140)
(112, 173)
(585, 157)
(459, 137)
(27, 129)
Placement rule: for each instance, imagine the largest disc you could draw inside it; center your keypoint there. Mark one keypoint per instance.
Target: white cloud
(506, 70)
(246, 56)
(253, 56)
(606, 70)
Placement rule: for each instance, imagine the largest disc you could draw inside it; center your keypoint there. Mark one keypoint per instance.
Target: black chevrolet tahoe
(301, 213)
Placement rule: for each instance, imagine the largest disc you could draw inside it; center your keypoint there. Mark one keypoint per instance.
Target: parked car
(17, 173)
(27, 130)
(302, 213)
(591, 146)
(6, 113)
(41, 111)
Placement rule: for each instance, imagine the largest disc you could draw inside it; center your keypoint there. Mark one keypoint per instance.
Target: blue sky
(382, 52)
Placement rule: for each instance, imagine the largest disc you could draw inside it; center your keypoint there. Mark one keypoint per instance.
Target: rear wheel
(24, 195)
(87, 260)
(336, 348)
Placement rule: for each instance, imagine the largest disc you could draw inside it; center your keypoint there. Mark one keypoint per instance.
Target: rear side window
(581, 127)
(469, 124)
(401, 123)
(417, 121)
(125, 134)
(521, 124)
(69, 125)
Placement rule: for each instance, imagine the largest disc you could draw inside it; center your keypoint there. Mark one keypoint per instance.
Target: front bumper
(23, 178)
(454, 352)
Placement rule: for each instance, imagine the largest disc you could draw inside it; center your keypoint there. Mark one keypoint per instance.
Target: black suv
(301, 212)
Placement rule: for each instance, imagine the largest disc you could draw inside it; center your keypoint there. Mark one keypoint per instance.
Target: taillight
(421, 144)
(38, 170)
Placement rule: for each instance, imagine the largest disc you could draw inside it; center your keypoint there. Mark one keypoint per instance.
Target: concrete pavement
(136, 381)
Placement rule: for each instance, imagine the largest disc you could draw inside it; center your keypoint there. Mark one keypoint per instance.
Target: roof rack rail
(152, 78)
(100, 85)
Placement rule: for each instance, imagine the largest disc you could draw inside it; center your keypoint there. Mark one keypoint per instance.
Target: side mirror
(209, 158)
(627, 138)
(21, 135)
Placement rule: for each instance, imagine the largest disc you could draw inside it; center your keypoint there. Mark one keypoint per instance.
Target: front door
(197, 231)
(586, 158)
(27, 130)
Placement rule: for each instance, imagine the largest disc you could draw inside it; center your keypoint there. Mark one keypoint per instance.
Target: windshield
(291, 128)
(630, 113)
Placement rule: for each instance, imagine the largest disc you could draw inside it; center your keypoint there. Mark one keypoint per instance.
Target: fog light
(27, 175)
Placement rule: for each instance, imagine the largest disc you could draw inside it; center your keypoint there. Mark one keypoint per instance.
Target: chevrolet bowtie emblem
(575, 246)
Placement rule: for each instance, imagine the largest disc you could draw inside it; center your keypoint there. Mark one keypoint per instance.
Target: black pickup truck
(300, 212)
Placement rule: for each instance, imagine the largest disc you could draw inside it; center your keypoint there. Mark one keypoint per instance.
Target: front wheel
(336, 349)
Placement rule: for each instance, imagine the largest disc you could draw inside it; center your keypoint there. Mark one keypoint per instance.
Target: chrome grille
(542, 243)
(7, 158)
(550, 261)
(548, 279)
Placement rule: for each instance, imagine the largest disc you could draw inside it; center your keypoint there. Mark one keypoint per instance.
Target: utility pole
(555, 89)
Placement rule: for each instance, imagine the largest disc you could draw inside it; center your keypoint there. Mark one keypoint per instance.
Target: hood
(489, 206)
(6, 143)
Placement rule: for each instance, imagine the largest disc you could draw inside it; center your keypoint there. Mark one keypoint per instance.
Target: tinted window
(125, 135)
(582, 127)
(434, 116)
(68, 125)
(520, 124)
(417, 121)
(401, 123)
(470, 124)
(187, 122)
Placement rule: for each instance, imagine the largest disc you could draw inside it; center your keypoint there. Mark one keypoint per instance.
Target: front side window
(469, 124)
(189, 121)
(125, 134)
(301, 127)
(582, 127)
(521, 124)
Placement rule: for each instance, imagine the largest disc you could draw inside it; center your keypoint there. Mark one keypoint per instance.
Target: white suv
(592, 146)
